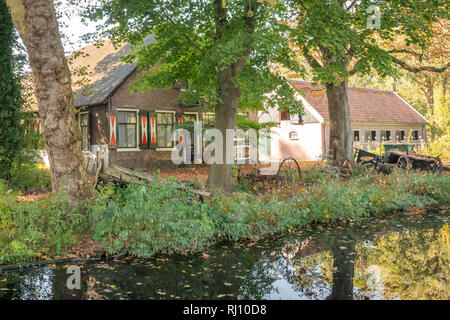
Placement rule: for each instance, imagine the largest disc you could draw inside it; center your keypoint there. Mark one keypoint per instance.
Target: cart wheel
(438, 166)
(403, 162)
(368, 164)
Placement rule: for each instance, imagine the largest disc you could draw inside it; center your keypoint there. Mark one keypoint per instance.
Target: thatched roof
(96, 71)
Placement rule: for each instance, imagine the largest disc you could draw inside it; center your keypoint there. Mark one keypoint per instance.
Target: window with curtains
(127, 129)
(84, 126)
(164, 129)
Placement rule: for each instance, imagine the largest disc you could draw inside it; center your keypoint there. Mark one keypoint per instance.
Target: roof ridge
(350, 87)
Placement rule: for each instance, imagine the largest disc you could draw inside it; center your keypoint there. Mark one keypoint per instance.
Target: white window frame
(208, 113)
(191, 112)
(79, 125)
(370, 130)
(381, 135)
(359, 135)
(156, 131)
(137, 130)
(412, 135)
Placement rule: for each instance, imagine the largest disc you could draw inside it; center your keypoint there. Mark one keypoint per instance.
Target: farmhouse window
(208, 120)
(84, 126)
(400, 135)
(127, 129)
(293, 135)
(415, 135)
(386, 135)
(356, 135)
(370, 136)
(164, 129)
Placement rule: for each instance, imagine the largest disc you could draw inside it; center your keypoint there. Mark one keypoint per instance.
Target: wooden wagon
(400, 155)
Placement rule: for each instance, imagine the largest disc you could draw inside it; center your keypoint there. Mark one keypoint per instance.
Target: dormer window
(293, 135)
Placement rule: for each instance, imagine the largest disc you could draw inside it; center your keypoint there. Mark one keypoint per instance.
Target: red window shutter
(152, 129)
(112, 117)
(144, 130)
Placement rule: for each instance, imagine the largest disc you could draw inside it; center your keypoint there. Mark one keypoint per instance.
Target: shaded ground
(201, 173)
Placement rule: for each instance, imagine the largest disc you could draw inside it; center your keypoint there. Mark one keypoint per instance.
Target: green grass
(144, 220)
(165, 218)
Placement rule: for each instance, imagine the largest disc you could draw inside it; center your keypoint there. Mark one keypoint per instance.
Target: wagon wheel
(296, 163)
(368, 164)
(404, 162)
(438, 166)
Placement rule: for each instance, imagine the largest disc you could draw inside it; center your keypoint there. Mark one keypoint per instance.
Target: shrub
(143, 220)
(31, 228)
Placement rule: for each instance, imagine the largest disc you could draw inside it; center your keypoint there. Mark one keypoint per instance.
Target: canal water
(402, 256)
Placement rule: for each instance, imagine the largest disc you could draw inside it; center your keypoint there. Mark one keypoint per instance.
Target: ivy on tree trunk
(10, 95)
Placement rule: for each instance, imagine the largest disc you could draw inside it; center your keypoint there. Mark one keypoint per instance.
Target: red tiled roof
(366, 105)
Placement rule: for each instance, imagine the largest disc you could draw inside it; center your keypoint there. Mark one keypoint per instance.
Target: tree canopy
(196, 39)
(342, 38)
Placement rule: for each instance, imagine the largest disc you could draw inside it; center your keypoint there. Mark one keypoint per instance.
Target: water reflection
(391, 257)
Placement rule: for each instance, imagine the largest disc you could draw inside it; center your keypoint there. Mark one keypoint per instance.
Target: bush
(167, 218)
(29, 229)
(30, 176)
(152, 218)
(144, 220)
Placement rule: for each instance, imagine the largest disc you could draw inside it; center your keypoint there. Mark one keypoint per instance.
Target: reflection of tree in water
(411, 252)
(231, 273)
(415, 264)
(402, 240)
(310, 276)
(260, 281)
(37, 285)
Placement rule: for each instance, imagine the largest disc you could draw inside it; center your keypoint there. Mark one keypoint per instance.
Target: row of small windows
(127, 127)
(371, 135)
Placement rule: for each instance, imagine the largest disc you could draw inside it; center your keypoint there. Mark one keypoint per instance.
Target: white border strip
(411, 106)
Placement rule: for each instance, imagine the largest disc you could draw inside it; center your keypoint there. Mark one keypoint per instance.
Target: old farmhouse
(134, 130)
(377, 116)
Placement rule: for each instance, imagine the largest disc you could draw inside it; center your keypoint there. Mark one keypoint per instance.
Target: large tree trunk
(37, 25)
(220, 176)
(344, 264)
(341, 140)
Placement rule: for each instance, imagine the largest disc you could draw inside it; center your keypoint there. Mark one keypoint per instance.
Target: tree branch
(311, 60)
(301, 3)
(355, 67)
(409, 68)
(351, 5)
